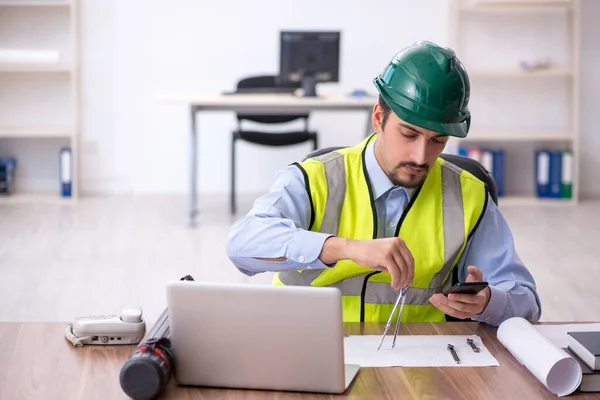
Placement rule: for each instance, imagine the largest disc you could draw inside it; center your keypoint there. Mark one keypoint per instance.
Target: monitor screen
(309, 55)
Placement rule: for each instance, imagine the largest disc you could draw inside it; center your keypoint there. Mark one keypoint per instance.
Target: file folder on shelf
(491, 159)
(542, 173)
(65, 172)
(555, 174)
(487, 160)
(474, 153)
(498, 170)
(566, 184)
(7, 168)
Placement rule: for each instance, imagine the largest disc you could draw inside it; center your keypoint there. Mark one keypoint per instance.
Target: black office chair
(468, 164)
(265, 84)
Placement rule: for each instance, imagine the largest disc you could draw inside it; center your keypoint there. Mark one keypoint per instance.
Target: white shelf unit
(515, 109)
(38, 3)
(57, 68)
(39, 96)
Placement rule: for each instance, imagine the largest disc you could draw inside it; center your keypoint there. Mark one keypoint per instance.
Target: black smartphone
(467, 287)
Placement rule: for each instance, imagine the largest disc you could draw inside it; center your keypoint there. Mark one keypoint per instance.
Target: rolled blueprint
(550, 364)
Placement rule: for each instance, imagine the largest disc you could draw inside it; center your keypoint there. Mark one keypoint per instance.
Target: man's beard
(408, 184)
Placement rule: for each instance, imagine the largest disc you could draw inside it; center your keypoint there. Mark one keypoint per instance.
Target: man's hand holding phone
(464, 305)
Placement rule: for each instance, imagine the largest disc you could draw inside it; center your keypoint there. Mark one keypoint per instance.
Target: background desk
(259, 104)
(38, 363)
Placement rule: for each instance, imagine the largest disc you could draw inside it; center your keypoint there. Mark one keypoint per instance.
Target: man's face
(405, 152)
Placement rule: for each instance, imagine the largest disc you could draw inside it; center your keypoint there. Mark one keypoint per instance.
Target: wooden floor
(58, 261)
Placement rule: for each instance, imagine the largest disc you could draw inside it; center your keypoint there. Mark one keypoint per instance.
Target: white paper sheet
(558, 333)
(550, 364)
(416, 351)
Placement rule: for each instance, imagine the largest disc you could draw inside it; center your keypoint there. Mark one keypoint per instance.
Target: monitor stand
(309, 85)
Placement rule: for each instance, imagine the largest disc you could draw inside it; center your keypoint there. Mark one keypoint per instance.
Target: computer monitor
(309, 57)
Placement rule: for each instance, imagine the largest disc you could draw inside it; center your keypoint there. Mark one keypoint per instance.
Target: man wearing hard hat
(390, 213)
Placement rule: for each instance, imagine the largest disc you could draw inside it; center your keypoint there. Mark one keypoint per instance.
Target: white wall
(135, 50)
(590, 98)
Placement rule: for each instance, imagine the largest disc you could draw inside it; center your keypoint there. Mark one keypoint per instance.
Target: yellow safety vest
(441, 215)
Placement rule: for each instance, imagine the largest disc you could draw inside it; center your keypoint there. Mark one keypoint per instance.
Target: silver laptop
(287, 338)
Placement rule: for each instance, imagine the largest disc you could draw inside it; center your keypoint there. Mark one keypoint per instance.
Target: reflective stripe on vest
(382, 292)
(335, 173)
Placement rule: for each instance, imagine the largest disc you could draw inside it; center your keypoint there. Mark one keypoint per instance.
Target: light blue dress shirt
(278, 222)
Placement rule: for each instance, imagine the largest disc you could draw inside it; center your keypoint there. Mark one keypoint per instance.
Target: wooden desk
(38, 363)
(258, 104)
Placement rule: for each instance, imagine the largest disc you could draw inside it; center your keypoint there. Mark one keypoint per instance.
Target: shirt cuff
(494, 311)
(304, 250)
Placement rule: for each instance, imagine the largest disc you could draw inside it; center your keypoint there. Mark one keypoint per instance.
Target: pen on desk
(473, 345)
(454, 355)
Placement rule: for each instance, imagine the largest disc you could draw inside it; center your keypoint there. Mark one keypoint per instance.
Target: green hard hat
(427, 86)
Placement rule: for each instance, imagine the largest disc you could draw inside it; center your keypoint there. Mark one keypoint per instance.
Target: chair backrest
(468, 164)
(267, 84)
(475, 167)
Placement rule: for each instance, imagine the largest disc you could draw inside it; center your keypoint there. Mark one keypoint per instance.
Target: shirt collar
(380, 182)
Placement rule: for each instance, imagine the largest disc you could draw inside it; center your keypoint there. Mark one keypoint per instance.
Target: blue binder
(555, 172)
(498, 170)
(7, 168)
(542, 173)
(66, 172)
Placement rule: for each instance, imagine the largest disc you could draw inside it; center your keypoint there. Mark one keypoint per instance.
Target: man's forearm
(258, 246)
(274, 235)
(511, 300)
(335, 249)
(492, 250)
